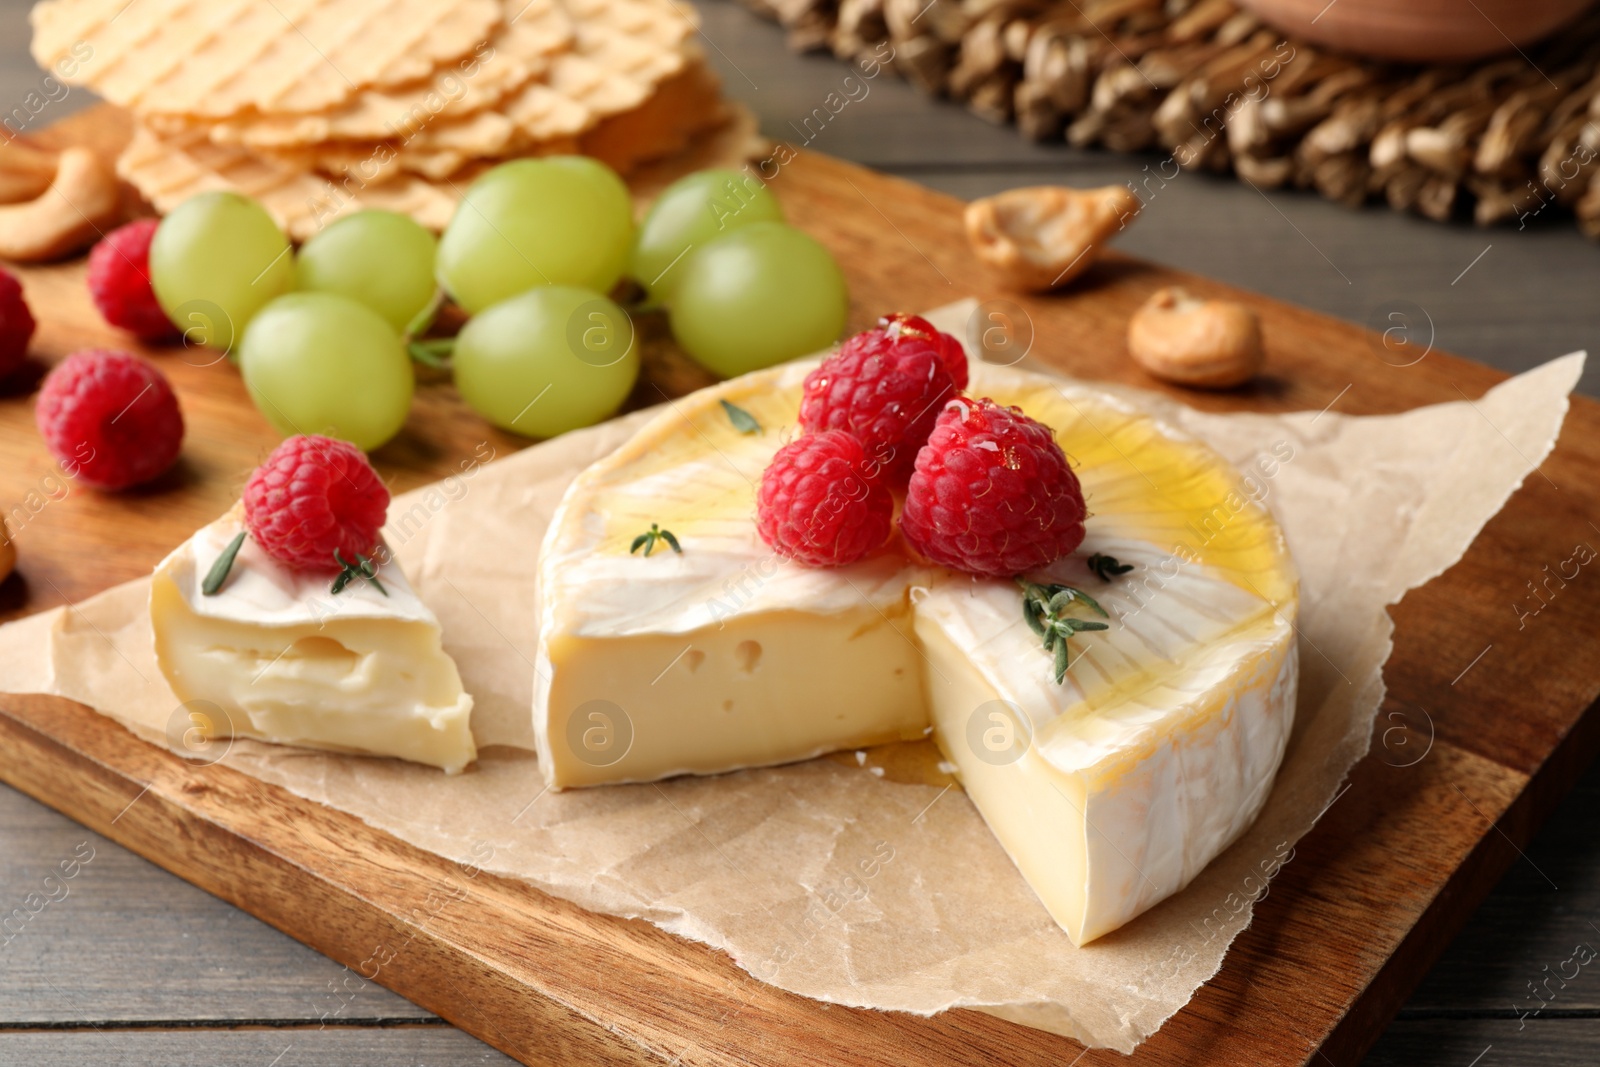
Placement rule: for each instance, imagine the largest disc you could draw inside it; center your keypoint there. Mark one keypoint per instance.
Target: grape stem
(434, 353)
(423, 321)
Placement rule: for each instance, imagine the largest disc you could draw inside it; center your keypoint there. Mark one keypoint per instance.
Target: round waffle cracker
(217, 58)
(520, 50)
(167, 171)
(681, 108)
(623, 50)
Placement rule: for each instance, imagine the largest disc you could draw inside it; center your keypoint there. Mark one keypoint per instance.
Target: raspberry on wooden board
(119, 282)
(16, 325)
(110, 419)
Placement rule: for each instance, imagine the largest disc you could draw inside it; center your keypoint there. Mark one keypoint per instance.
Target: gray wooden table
(135, 966)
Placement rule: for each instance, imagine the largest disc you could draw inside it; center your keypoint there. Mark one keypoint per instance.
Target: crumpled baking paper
(869, 880)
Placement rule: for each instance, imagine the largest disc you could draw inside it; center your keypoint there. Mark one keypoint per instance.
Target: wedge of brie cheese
(286, 660)
(1110, 789)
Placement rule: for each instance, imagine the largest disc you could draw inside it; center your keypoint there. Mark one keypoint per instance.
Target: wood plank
(99, 943)
(1528, 927)
(287, 1047)
(1371, 898)
(1470, 1042)
(123, 941)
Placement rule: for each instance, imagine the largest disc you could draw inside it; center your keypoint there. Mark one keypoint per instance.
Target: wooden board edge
(150, 798)
(1497, 850)
(107, 801)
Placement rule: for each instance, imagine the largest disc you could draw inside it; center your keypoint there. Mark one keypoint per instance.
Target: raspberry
(109, 418)
(119, 281)
(16, 325)
(312, 497)
(885, 387)
(915, 327)
(992, 494)
(819, 502)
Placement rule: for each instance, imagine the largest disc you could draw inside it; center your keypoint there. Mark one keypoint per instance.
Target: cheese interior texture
(1110, 790)
(287, 661)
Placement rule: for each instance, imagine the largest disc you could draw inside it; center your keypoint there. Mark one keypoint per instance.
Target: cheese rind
(287, 661)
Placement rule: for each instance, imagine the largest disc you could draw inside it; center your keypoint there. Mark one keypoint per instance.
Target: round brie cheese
(1110, 789)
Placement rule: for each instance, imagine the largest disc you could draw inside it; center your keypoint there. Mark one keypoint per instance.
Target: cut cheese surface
(1110, 790)
(704, 633)
(287, 661)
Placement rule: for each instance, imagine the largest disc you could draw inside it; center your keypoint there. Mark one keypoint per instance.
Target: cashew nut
(1210, 344)
(1044, 236)
(25, 172)
(81, 200)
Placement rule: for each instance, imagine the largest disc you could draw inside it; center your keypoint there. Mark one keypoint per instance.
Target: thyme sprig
(1043, 607)
(224, 563)
(741, 419)
(648, 539)
(349, 572)
(1108, 567)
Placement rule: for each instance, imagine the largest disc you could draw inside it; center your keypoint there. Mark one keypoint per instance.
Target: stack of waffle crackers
(319, 108)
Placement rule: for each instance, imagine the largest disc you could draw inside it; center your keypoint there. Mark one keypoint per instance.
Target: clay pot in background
(1418, 30)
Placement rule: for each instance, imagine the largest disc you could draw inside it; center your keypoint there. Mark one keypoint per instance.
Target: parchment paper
(831, 878)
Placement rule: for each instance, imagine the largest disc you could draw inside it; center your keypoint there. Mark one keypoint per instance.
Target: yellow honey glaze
(1146, 482)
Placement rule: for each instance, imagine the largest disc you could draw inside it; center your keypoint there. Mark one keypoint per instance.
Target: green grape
(322, 363)
(381, 258)
(562, 220)
(215, 262)
(757, 296)
(689, 213)
(547, 361)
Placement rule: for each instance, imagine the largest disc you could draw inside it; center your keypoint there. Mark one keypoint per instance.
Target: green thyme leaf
(1042, 607)
(1079, 594)
(219, 570)
(369, 571)
(1107, 567)
(650, 537)
(1061, 600)
(349, 572)
(742, 420)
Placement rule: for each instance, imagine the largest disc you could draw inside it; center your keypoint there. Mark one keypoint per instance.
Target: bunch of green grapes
(531, 253)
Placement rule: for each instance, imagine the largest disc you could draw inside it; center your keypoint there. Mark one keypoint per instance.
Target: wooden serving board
(1369, 900)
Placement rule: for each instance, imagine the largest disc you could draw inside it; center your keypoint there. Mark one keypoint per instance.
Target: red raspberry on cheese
(993, 494)
(821, 503)
(314, 497)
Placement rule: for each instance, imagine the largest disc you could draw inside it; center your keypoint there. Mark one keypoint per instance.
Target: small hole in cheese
(748, 653)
